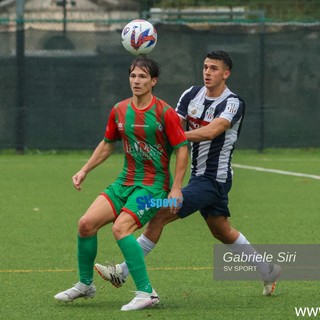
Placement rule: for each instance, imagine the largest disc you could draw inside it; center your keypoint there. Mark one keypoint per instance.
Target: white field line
(288, 173)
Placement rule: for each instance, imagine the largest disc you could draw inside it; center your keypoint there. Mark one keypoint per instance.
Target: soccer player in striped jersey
(212, 116)
(150, 130)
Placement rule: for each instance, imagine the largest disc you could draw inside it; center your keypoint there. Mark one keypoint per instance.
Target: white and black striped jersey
(212, 158)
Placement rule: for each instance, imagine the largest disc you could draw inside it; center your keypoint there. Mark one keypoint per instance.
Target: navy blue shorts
(208, 196)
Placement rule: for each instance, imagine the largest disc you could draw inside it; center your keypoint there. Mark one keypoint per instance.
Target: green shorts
(127, 198)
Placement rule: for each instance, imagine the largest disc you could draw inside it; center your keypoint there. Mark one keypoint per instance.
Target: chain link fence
(58, 86)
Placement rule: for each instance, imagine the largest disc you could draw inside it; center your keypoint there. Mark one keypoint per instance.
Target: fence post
(20, 78)
(262, 80)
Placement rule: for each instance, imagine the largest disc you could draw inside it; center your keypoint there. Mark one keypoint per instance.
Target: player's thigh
(117, 195)
(198, 193)
(124, 225)
(162, 217)
(98, 214)
(219, 201)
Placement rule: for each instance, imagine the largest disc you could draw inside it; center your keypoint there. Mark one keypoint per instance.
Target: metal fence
(57, 89)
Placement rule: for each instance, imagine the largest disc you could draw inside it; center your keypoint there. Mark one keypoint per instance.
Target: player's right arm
(100, 154)
(102, 151)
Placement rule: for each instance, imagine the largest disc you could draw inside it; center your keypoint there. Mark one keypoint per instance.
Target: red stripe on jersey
(130, 161)
(131, 167)
(139, 131)
(195, 123)
(112, 133)
(161, 140)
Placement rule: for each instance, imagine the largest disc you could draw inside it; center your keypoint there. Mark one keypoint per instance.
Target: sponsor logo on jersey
(209, 114)
(193, 124)
(159, 126)
(195, 109)
(143, 150)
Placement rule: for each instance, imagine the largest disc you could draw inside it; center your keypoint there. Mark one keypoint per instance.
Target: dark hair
(222, 56)
(147, 64)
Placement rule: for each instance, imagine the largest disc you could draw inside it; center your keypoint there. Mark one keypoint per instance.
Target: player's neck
(142, 102)
(214, 92)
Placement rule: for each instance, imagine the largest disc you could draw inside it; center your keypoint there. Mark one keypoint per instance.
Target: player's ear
(226, 74)
(154, 81)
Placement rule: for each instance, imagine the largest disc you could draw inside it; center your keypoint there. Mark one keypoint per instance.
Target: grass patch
(40, 210)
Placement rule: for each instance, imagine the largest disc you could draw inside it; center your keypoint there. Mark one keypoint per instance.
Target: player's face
(141, 82)
(214, 73)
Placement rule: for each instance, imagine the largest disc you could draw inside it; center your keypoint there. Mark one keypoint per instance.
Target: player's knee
(225, 235)
(85, 228)
(116, 230)
(220, 228)
(219, 234)
(121, 230)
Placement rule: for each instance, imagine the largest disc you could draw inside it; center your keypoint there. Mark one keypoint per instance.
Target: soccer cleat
(80, 290)
(269, 283)
(111, 273)
(142, 300)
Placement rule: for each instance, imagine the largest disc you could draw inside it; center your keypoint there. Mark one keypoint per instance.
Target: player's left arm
(178, 141)
(216, 127)
(179, 173)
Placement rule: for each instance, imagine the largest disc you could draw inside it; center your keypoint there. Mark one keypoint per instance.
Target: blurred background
(63, 67)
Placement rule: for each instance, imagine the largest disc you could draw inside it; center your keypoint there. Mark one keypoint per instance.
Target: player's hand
(178, 199)
(78, 178)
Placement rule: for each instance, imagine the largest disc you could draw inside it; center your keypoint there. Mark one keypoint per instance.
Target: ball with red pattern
(139, 37)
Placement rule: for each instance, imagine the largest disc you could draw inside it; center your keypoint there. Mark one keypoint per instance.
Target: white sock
(263, 267)
(146, 246)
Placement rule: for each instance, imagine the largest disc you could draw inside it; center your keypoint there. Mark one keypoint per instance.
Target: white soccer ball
(139, 37)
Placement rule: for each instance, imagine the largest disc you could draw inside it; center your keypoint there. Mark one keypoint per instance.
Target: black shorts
(208, 196)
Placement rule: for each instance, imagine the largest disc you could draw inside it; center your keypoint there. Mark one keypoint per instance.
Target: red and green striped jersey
(148, 137)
